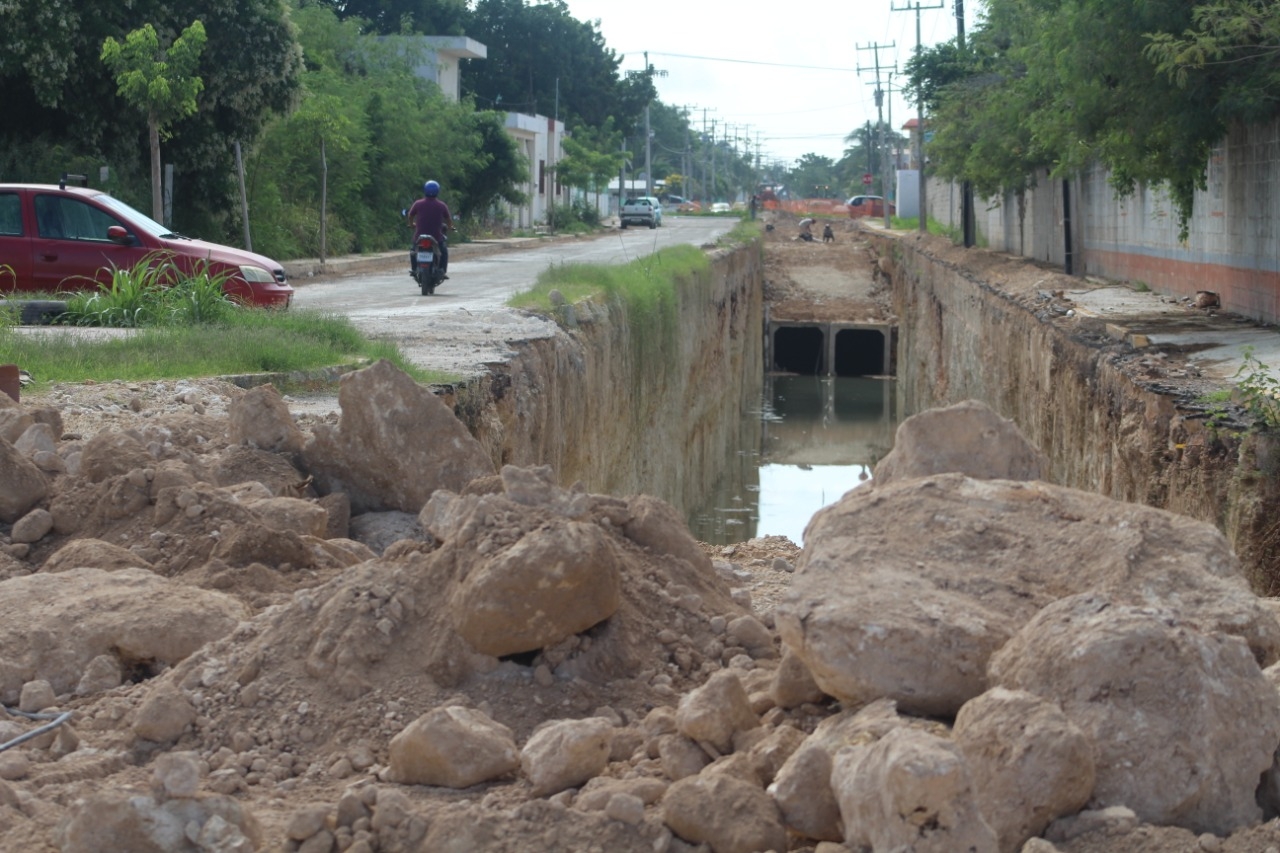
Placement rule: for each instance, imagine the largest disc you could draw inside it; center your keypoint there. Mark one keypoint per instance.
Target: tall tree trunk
(157, 203)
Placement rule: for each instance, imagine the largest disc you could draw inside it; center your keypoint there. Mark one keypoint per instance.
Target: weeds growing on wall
(1259, 392)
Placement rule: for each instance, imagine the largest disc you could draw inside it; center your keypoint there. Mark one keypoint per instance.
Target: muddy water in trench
(809, 441)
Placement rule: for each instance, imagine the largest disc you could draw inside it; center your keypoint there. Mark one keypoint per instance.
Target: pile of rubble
(359, 636)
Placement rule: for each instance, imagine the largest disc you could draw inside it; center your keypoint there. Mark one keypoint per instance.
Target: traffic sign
(866, 179)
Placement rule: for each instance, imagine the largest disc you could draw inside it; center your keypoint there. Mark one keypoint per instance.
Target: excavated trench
(669, 414)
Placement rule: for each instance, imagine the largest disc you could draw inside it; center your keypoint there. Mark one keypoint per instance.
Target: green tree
(1054, 86)
(61, 101)
(387, 17)
(591, 162)
(865, 154)
(160, 82)
(544, 61)
(386, 131)
(814, 176)
(1238, 36)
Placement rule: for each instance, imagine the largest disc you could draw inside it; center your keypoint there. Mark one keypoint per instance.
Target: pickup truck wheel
(624, 224)
(653, 223)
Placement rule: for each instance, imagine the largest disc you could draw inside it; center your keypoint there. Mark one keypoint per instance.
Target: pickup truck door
(71, 244)
(15, 244)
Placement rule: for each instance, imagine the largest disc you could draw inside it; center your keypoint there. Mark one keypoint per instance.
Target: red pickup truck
(55, 238)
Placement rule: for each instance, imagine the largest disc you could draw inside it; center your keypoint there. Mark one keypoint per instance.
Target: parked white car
(721, 207)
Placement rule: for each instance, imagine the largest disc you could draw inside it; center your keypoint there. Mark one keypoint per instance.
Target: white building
(436, 58)
(538, 138)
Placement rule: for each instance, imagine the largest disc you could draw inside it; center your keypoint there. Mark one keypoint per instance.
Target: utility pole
(553, 144)
(706, 185)
(967, 225)
(919, 152)
(884, 186)
(648, 134)
(713, 161)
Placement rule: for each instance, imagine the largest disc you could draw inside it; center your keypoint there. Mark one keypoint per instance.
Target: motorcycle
(428, 273)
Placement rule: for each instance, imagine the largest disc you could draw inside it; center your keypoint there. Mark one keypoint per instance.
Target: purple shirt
(430, 215)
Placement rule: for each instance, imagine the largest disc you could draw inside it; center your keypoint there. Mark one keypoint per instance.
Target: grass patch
(1221, 396)
(912, 223)
(642, 284)
(250, 341)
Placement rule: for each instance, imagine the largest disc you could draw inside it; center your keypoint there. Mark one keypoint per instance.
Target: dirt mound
(637, 673)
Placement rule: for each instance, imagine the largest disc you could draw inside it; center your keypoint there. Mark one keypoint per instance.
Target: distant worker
(755, 202)
(430, 215)
(806, 230)
(828, 236)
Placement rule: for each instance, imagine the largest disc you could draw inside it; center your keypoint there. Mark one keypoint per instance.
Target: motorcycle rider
(430, 215)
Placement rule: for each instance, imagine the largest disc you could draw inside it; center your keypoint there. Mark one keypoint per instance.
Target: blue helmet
(431, 189)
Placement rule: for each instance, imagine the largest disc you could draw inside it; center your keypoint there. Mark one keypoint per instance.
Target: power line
(752, 62)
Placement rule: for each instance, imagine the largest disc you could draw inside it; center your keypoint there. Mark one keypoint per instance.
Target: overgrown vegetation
(644, 286)
(246, 342)
(1258, 391)
(153, 293)
(1048, 89)
(168, 326)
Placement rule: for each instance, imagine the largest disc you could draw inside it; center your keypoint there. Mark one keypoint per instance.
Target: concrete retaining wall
(961, 337)
(629, 404)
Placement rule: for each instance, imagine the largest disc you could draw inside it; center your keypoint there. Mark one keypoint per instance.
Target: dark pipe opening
(859, 352)
(798, 349)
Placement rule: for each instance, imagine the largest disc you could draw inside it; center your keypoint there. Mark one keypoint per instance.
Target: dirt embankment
(254, 659)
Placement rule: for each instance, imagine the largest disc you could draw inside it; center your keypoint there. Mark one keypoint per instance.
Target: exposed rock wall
(971, 329)
(629, 404)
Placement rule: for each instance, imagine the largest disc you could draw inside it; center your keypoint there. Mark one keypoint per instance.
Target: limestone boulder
(37, 438)
(750, 633)
(536, 486)
(793, 684)
(378, 530)
(14, 419)
(681, 757)
(1137, 679)
(260, 418)
(552, 583)
(93, 554)
(53, 625)
(725, 813)
(33, 526)
(566, 753)
(716, 711)
(967, 438)
(802, 788)
(164, 715)
(118, 820)
(454, 747)
(395, 444)
(655, 524)
(1030, 765)
(910, 790)
(905, 591)
(306, 518)
(112, 453)
(22, 485)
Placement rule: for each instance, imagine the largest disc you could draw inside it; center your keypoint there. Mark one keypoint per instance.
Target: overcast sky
(787, 71)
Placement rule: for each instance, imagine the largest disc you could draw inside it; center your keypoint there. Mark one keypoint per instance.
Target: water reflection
(819, 438)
